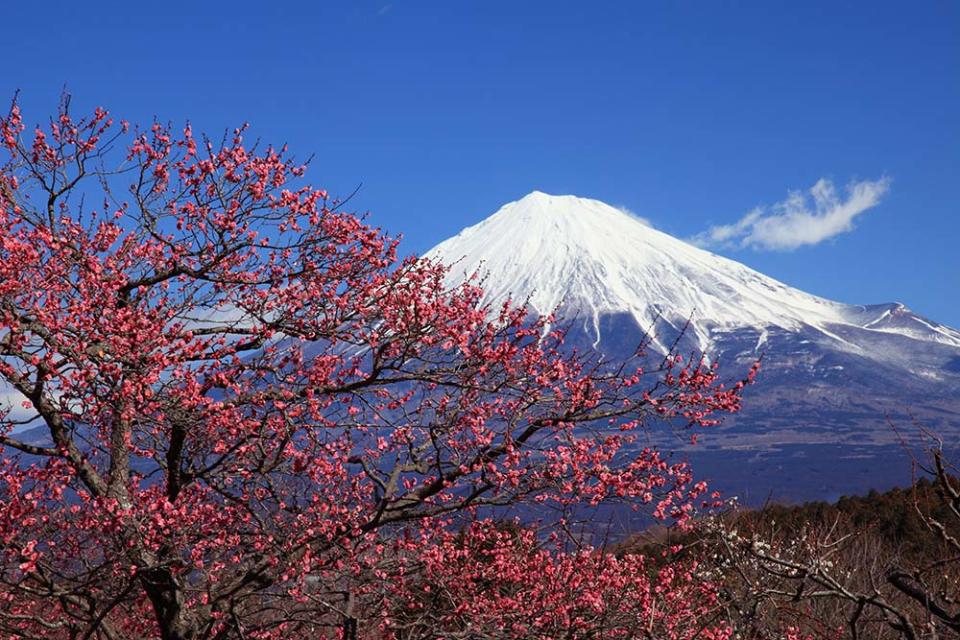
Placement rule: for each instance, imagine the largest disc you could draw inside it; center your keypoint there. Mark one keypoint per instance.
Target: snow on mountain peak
(572, 254)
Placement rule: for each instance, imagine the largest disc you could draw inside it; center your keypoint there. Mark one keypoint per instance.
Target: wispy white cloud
(800, 220)
(635, 216)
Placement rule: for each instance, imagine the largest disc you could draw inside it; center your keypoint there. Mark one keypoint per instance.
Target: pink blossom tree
(258, 422)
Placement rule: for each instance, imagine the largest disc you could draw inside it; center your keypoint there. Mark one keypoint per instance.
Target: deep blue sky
(690, 115)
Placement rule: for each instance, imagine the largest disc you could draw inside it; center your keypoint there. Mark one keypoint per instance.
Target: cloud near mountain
(801, 219)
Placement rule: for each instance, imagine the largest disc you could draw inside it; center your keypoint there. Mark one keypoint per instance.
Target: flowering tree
(259, 423)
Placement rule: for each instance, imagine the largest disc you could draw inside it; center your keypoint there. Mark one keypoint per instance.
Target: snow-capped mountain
(584, 255)
(833, 372)
(586, 260)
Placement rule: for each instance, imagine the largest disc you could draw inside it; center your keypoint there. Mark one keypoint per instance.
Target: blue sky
(690, 114)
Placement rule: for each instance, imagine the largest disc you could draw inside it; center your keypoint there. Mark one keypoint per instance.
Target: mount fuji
(842, 385)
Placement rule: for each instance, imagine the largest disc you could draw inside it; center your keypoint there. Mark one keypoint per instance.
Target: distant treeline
(882, 565)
